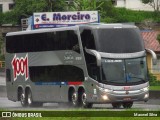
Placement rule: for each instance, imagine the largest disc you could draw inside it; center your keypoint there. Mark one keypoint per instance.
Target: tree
(154, 3)
(104, 7)
(86, 4)
(26, 8)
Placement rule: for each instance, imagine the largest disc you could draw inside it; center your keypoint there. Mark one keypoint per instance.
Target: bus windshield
(124, 71)
(124, 40)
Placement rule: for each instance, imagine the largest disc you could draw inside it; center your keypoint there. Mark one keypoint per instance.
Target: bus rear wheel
(116, 105)
(23, 99)
(30, 100)
(85, 104)
(74, 99)
(127, 104)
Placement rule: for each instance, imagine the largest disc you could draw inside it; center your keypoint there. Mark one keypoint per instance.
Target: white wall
(134, 5)
(120, 3)
(5, 4)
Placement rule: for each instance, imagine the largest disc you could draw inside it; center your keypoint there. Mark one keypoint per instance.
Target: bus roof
(41, 30)
(89, 26)
(101, 25)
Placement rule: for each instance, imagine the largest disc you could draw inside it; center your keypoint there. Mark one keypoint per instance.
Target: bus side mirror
(96, 54)
(154, 56)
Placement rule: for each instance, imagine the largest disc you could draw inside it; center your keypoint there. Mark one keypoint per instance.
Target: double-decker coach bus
(81, 65)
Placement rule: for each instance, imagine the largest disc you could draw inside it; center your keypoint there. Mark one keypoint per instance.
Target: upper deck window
(49, 41)
(119, 40)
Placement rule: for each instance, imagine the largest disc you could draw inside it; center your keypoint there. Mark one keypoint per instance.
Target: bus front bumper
(123, 96)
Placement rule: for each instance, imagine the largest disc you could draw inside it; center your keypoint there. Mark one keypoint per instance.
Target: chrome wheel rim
(29, 99)
(84, 98)
(22, 99)
(74, 98)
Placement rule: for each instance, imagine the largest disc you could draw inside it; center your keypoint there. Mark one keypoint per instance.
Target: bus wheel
(30, 100)
(85, 104)
(74, 99)
(116, 105)
(127, 104)
(23, 99)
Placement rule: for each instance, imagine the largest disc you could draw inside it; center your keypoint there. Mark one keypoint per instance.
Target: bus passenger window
(88, 40)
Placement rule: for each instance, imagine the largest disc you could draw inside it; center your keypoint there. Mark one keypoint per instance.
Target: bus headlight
(104, 97)
(145, 89)
(107, 90)
(104, 89)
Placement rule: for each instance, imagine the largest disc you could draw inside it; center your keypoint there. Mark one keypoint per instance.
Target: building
(6, 5)
(151, 42)
(133, 5)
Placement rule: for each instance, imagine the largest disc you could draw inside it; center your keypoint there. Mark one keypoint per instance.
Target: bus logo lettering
(20, 66)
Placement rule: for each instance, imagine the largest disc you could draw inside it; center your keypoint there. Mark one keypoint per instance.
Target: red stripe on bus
(74, 83)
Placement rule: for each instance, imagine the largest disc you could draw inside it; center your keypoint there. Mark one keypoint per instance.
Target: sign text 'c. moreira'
(59, 16)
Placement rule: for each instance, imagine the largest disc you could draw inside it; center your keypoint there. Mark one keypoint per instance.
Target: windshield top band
(123, 55)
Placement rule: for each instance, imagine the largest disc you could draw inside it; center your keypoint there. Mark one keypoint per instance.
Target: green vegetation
(154, 88)
(108, 13)
(125, 15)
(153, 80)
(91, 118)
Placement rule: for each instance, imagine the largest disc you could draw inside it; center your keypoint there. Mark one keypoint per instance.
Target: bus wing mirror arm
(96, 54)
(154, 56)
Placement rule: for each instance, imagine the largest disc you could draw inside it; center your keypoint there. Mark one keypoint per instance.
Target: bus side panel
(45, 93)
(11, 88)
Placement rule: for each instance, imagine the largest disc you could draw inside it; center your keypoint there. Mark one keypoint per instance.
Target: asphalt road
(9, 105)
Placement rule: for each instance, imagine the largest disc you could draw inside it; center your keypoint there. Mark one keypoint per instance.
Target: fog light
(105, 97)
(146, 96)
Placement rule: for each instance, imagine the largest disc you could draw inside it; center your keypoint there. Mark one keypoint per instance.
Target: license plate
(127, 99)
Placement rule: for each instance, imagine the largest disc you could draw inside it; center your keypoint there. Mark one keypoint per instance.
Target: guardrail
(2, 64)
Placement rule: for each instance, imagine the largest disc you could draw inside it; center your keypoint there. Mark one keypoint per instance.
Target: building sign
(63, 19)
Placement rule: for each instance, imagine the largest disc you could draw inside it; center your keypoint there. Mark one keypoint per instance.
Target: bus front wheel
(127, 104)
(85, 104)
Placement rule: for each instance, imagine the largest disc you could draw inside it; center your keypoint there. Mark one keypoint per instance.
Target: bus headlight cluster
(104, 97)
(104, 89)
(145, 89)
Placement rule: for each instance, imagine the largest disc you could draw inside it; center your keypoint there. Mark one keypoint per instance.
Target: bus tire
(30, 100)
(74, 99)
(116, 105)
(23, 99)
(84, 102)
(127, 104)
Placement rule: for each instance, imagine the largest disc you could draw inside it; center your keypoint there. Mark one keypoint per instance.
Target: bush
(124, 15)
(153, 80)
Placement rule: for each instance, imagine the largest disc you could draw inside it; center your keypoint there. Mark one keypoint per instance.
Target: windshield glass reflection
(124, 71)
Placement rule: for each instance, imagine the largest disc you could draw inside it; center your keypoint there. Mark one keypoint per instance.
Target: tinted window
(1, 8)
(88, 40)
(122, 40)
(60, 73)
(60, 40)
